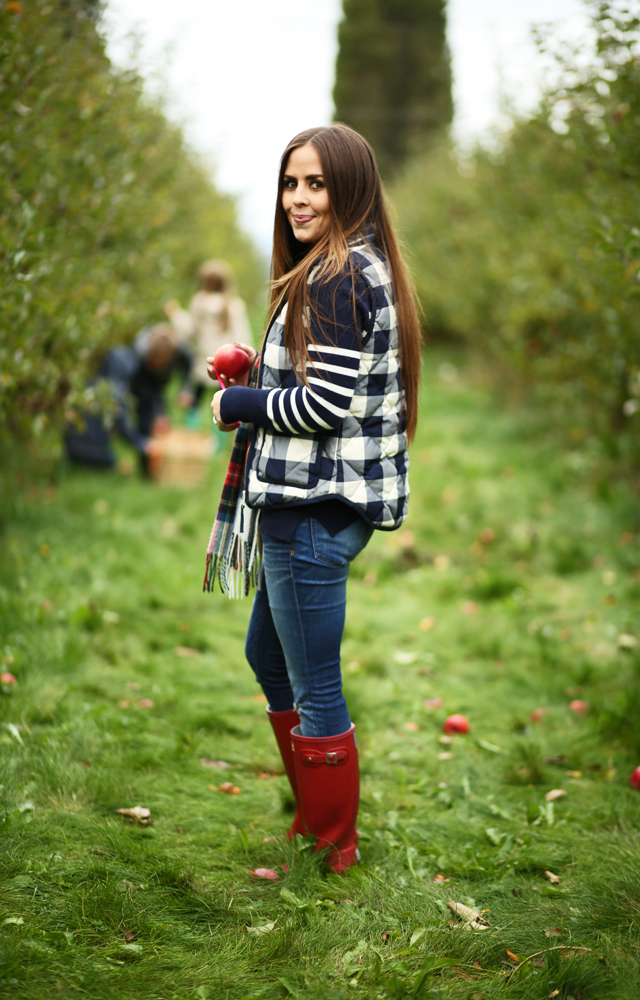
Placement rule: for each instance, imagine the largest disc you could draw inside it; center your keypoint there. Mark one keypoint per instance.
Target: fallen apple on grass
(7, 678)
(578, 706)
(634, 780)
(538, 714)
(456, 724)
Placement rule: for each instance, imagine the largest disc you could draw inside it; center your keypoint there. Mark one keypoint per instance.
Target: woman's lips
(301, 219)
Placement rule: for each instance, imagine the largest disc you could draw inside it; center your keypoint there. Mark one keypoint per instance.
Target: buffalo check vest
(363, 461)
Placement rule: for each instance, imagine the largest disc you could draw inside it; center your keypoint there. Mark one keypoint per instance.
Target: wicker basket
(181, 458)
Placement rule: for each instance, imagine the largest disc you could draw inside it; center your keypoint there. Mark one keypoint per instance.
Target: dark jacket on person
(138, 394)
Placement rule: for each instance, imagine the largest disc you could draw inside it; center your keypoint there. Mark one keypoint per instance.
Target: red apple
(231, 361)
(538, 713)
(7, 678)
(578, 706)
(634, 780)
(456, 724)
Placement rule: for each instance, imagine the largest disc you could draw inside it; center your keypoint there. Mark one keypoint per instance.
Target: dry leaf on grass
(412, 727)
(433, 703)
(227, 788)
(186, 651)
(445, 755)
(405, 657)
(220, 764)
(471, 919)
(554, 879)
(514, 958)
(469, 608)
(145, 703)
(427, 624)
(138, 814)
(555, 794)
(445, 740)
(263, 929)
(553, 932)
(554, 994)
(440, 879)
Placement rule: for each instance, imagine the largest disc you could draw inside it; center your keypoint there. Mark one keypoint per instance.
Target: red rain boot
(282, 723)
(329, 793)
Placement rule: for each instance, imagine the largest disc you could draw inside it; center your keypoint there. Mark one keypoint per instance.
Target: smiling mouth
(301, 219)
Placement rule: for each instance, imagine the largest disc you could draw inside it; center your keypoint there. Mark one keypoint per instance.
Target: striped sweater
(334, 353)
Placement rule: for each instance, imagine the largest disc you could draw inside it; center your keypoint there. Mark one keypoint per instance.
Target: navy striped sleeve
(341, 315)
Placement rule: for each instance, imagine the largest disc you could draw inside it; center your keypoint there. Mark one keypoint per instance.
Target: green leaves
(431, 965)
(535, 247)
(105, 213)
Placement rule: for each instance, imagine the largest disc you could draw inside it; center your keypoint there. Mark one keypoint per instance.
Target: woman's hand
(215, 406)
(244, 379)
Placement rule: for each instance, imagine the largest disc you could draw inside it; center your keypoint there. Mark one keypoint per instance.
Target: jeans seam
(256, 642)
(307, 673)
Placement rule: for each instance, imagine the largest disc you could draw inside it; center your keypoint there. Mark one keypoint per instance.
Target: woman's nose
(300, 196)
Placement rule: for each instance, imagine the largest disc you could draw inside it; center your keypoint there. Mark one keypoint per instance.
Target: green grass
(526, 556)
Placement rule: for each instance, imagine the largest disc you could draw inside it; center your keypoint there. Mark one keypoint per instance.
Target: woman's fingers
(248, 350)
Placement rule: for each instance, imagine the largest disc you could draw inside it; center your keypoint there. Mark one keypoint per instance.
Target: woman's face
(304, 195)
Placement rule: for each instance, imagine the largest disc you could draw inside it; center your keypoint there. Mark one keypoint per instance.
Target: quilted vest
(364, 460)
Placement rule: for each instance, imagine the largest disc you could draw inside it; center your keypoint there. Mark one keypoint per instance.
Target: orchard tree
(393, 75)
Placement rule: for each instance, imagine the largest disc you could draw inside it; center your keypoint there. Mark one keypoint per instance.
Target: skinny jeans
(297, 621)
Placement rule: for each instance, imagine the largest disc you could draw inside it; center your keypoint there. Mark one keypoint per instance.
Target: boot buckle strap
(313, 758)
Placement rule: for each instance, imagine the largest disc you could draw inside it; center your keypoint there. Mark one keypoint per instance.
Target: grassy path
(515, 586)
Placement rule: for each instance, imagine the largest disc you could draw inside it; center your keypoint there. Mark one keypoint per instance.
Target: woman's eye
(289, 185)
(317, 185)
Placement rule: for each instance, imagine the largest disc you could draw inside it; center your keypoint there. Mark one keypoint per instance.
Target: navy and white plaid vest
(364, 461)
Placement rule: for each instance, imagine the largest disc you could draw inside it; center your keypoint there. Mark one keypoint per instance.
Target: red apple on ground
(538, 713)
(231, 361)
(634, 780)
(7, 678)
(456, 724)
(578, 706)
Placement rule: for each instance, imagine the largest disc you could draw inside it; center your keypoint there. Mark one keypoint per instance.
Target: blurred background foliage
(530, 249)
(105, 211)
(527, 248)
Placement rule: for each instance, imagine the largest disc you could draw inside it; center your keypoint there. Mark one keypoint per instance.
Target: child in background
(216, 316)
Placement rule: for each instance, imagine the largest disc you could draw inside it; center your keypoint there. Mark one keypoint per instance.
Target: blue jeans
(297, 620)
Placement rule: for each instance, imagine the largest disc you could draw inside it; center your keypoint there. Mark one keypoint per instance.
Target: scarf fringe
(234, 554)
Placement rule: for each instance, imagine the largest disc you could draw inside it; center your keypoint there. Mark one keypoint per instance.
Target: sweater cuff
(247, 405)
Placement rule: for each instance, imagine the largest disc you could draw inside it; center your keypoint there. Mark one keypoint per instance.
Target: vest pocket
(289, 461)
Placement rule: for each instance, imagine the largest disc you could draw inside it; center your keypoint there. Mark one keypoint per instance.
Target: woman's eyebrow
(309, 177)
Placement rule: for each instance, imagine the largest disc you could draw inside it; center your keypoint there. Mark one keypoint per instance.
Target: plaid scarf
(234, 550)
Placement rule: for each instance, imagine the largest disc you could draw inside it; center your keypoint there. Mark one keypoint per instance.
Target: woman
(216, 316)
(327, 463)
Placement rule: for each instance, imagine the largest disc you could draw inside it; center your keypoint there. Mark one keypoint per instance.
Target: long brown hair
(356, 198)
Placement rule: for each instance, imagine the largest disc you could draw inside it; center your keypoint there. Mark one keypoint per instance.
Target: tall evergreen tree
(393, 75)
